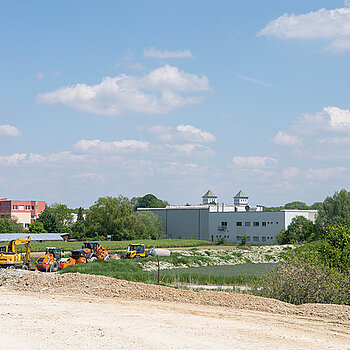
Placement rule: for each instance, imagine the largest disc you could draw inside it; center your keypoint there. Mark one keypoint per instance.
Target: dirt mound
(109, 287)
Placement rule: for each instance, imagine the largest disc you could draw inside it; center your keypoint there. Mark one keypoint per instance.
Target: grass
(122, 245)
(131, 270)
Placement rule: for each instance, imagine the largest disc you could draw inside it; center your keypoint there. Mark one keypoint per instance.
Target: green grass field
(131, 270)
(122, 245)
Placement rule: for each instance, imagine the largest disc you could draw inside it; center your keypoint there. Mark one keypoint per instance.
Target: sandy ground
(37, 321)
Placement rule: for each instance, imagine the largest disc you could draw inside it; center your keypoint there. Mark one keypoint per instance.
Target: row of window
(22, 207)
(247, 223)
(255, 238)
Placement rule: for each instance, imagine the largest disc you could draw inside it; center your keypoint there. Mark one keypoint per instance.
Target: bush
(244, 240)
(221, 241)
(300, 282)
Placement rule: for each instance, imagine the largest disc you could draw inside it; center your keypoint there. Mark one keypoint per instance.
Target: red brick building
(25, 212)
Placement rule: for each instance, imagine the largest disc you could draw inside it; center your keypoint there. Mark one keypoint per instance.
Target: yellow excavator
(10, 257)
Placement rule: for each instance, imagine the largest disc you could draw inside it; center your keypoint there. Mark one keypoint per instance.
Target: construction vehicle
(10, 257)
(50, 261)
(89, 251)
(135, 251)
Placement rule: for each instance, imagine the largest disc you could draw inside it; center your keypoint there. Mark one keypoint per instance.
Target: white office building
(210, 220)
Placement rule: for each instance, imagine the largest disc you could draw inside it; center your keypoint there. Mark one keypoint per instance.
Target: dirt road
(38, 321)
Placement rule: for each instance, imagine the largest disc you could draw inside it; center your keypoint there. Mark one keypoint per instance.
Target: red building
(25, 212)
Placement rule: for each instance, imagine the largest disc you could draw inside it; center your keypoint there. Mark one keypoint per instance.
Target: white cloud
(113, 146)
(290, 173)
(286, 140)
(324, 174)
(329, 119)
(9, 130)
(255, 81)
(13, 159)
(154, 53)
(253, 162)
(39, 75)
(329, 24)
(33, 158)
(153, 93)
(87, 176)
(181, 132)
(191, 148)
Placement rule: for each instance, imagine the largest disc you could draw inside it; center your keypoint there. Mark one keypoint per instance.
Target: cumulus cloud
(32, 158)
(91, 146)
(253, 162)
(324, 173)
(158, 92)
(154, 53)
(181, 132)
(9, 130)
(191, 149)
(290, 173)
(286, 140)
(328, 24)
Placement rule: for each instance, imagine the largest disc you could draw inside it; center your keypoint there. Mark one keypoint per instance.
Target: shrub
(299, 282)
(221, 241)
(244, 240)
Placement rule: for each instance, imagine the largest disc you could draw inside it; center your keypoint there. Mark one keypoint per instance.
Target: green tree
(112, 215)
(244, 240)
(36, 227)
(49, 221)
(296, 205)
(148, 201)
(299, 230)
(80, 216)
(334, 210)
(5, 225)
(336, 246)
(150, 225)
(79, 230)
(63, 214)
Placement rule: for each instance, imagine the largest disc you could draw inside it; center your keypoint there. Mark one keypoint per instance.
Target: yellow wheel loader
(135, 251)
(10, 257)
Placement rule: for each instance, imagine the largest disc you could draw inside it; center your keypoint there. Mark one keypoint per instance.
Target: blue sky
(104, 98)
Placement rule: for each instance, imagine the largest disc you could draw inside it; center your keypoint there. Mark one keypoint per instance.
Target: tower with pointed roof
(240, 199)
(210, 198)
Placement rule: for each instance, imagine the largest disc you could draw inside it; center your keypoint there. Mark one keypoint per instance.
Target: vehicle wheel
(137, 257)
(24, 267)
(106, 258)
(93, 258)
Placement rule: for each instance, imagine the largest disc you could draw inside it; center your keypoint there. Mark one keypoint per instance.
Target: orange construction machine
(90, 251)
(50, 261)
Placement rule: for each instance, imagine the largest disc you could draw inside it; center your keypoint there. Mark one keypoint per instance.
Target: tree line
(114, 216)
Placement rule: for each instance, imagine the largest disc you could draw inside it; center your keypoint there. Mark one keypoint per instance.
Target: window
(247, 224)
(256, 223)
(21, 207)
(239, 238)
(263, 239)
(14, 207)
(27, 207)
(248, 238)
(276, 222)
(239, 223)
(224, 223)
(26, 225)
(33, 217)
(263, 223)
(32, 207)
(255, 238)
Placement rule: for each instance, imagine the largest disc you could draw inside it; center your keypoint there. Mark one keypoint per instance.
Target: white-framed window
(263, 239)
(263, 223)
(27, 207)
(256, 223)
(21, 207)
(239, 223)
(255, 238)
(247, 223)
(15, 207)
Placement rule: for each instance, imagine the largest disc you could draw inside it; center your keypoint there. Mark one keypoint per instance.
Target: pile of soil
(109, 287)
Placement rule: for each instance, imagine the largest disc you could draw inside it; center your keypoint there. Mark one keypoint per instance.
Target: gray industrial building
(210, 220)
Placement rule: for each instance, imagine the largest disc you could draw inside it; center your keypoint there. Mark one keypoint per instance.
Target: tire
(106, 258)
(93, 258)
(137, 257)
(24, 267)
